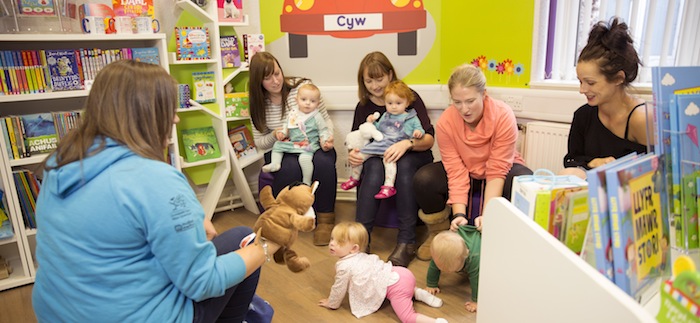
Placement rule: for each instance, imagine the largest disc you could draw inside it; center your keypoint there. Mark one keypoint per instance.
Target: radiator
(546, 145)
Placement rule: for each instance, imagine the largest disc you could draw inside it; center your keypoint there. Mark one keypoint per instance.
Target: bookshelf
(19, 249)
(216, 172)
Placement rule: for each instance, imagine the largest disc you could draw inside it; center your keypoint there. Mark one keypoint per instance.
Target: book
(688, 164)
(252, 43)
(146, 55)
(183, 96)
(36, 7)
(6, 231)
(576, 221)
(95, 9)
(639, 227)
(133, 8)
(558, 209)
(200, 144)
(192, 43)
(598, 209)
(242, 141)
(230, 55)
(40, 132)
(237, 104)
(229, 10)
(203, 84)
(63, 69)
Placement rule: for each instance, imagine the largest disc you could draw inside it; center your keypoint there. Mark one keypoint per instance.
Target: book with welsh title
(40, 133)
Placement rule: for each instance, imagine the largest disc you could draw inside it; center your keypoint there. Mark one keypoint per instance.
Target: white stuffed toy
(360, 137)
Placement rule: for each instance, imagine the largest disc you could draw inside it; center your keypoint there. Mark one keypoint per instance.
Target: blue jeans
(233, 305)
(372, 179)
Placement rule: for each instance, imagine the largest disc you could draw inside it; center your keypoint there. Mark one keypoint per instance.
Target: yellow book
(13, 139)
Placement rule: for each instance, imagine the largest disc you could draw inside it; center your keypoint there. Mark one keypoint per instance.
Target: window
(664, 33)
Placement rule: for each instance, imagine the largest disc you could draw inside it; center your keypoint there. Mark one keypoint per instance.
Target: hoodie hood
(71, 177)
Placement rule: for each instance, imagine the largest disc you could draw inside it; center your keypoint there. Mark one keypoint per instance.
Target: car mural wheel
(298, 47)
(408, 43)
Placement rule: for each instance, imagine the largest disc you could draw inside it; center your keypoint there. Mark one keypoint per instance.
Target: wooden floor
(295, 296)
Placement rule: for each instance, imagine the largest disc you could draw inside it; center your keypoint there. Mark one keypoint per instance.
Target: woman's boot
(324, 226)
(436, 223)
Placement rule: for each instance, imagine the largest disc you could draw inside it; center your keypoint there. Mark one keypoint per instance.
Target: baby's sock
(275, 163)
(271, 168)
(424, 296)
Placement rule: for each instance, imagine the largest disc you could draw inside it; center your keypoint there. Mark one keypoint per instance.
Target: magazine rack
(52, 18)
(527, 275)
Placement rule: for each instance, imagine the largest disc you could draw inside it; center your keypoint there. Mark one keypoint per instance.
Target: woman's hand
(596, 162)
(458, 221)
(355, 158)
(397, 150)
(477, 222)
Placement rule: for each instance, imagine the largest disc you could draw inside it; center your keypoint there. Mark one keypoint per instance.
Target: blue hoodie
(121, 239)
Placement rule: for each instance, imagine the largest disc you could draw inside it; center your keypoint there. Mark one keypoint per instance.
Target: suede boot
(324, 226)
(436, 223)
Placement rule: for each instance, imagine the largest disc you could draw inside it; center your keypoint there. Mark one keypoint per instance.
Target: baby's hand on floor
(433, 290)
(323, 303)
(470, 306)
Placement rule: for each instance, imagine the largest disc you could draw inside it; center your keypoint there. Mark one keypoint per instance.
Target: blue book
(598, 208)
(688, 163)
(40, 132)
(146, 55)
(63, 69)
(639, 227)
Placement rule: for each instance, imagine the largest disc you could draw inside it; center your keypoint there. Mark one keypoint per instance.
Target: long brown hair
(130, 102)
(377, 65)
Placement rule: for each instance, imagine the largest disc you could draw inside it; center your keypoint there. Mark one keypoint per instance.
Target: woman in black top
(613, 123)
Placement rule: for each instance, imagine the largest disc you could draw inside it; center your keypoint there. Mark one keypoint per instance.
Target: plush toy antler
(284, 217)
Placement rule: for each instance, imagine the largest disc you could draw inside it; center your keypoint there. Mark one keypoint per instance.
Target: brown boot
(403, 254)
(324, 226)
(436, 223)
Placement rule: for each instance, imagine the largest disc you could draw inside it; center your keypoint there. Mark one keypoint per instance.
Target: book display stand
(34, 16)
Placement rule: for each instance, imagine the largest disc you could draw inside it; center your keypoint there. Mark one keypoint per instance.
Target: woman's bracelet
(263, 243)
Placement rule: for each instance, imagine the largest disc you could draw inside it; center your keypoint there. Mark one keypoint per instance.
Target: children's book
(253, 43)
(192, 43)
(558, 209)
(598, 208)
(36, 7)
(237, 104)
(242, 141)
(203, 84)
(230, 55)
(183, 96)
(200, 144)
(6, 231)
(639, 227)
(146, 55)
(229, 10)
(133, 8)
(63, 65)
(40, 133)
(576, 221)
(688, 109)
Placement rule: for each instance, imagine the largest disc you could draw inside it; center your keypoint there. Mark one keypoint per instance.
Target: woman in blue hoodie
(122, 235)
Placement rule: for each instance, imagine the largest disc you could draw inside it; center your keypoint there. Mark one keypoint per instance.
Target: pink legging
(400, 295)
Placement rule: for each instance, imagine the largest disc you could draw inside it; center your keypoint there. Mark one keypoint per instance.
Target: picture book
(237, 104)
(242, 141)
(229, 10)
(200, 144)
(598, 208)
(6, 231)
(252, 43)
(146, 55)
(688, 109)
(576, 221)
(533, 194)
(203, 84)
(63, 69)
(558, 209)
(133, 8)
(230, 55)
(192, 43)
(640, 232)
(36, 7)
(40, 133)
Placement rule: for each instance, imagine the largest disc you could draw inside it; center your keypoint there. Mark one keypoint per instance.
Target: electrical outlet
(514, 101)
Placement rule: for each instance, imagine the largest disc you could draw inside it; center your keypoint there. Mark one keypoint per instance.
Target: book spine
(13, 138)
(620, 264)
(21, 73)
(38, 71)
(3, 75)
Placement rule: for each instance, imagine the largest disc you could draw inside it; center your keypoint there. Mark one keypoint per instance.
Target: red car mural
(352, 19)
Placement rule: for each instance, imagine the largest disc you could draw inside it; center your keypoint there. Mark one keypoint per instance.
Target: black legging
(431, 190)
(324, 173)
(372, 179)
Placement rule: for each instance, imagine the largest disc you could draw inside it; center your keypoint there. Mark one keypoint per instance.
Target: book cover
(639, 227)
(200, 144)
(40, 132)
(576, 221)
(36, 7)
(63, 69)
(688, 164)
(229, 10)
(252, 43)
(558, 209)
(598, 208)
(146, 55)
(6, 231)
(203, 84)
(242, 141)
(133, 8)
(95, 9)
(237, 104)
(230, 55)
(192, 43)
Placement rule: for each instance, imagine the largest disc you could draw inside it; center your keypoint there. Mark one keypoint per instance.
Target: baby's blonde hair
(351, 232)
(449, 250)
(310, 87)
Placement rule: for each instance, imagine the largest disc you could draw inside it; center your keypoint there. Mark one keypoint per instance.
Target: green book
(200, 144)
